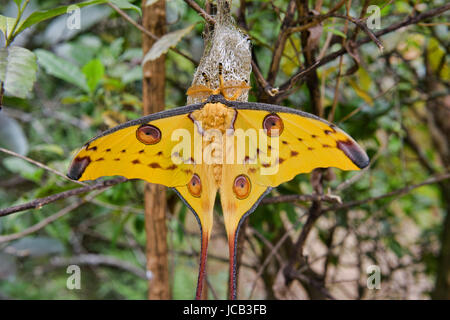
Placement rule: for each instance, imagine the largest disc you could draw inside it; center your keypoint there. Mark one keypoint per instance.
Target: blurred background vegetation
(394, 102)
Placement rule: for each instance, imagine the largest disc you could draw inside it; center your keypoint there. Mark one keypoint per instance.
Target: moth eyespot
(148, 134)
(195, 186)
(273, 124)
(242, 187)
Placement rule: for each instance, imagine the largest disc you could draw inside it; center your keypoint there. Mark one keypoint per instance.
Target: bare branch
(48, 220)
(394, 27)
(398, 192)
(200, 11)
(39, 203)
(302, 197)
(146, 32)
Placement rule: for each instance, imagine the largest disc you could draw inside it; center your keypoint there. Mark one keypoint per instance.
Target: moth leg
(238, 90)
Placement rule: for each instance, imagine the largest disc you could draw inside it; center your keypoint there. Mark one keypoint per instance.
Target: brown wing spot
(266, 165)
(135, 161)
(294, 153)
(116, 159)
(148, 134)
(313, 136)
(187, 171)
(77, 167)
(154, 165)
(354, 152)
(246, 159)
(159, 153)
(280, 160)
(326, 146)
(310, 148)
(284, 142)
(333, 127)
(141, 151)
(242, 187)
(93, 148)
(300, 139)
(273, 125)
(327, 131)
(100, 159)
(252, 170)
(195, 186)
(123, 151)
(172, 167)
(108, 150)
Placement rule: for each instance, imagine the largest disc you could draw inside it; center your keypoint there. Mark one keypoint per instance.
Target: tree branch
(330, 57)
(200, 11)
(146, 32)
(398, 192)
(39, 203)
(48, 220)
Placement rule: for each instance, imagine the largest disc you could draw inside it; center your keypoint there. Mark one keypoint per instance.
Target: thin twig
(148, 33)
(398, 192)
(273, 252)
(40, 202)
(200, 11)
(394, 27)
(302, 197)
(41, 165)
(48, 220)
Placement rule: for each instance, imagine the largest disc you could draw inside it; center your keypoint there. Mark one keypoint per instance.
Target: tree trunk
(438, 121)
(154, 20)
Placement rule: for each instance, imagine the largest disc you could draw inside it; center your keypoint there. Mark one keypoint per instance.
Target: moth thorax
(214, 116)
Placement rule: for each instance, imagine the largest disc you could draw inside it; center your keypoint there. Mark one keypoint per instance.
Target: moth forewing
(246, 155)
(181, 152)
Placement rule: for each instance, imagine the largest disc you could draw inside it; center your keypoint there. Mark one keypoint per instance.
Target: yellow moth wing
(305, 143)
(120, 152)
(235, 207)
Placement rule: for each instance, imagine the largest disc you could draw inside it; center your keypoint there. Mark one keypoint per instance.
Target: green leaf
(124, 4)
(17, 70)
(62, 69)
(94, 71)
(6, 25)
(166, 42)
(39, 16)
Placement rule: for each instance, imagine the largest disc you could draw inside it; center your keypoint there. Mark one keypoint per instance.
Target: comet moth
(240, 150)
